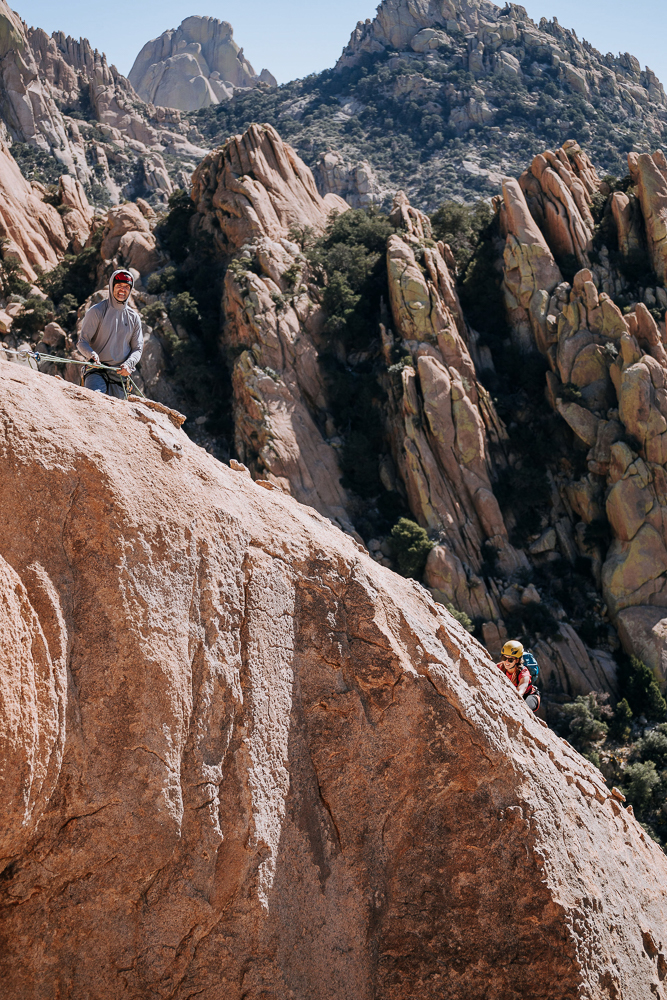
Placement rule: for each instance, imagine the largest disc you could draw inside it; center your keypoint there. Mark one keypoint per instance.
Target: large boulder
(255, 186)
(649, 173)
(128, 233)
(33, 231)
(195, 66)
(643, 632)
(284, 770)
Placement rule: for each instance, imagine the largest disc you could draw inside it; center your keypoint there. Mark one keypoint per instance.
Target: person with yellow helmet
(512, 665)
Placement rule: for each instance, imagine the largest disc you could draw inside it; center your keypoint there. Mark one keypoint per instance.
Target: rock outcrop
(29, 112)
(194, 66)
(444, 427)
(357, 183)
(59, 95)
(210, 698)
(250, 195)
(650, 176)
(32, 231)
(615, 364)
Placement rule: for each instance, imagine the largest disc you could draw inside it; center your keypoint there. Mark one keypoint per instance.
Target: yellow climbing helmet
(513, 648)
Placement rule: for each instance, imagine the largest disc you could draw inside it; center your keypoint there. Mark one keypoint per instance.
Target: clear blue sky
(295, 37)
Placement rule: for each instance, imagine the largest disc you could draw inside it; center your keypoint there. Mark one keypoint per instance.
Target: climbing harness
(36, 356)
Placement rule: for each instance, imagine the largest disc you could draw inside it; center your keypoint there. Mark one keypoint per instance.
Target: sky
(292, 38)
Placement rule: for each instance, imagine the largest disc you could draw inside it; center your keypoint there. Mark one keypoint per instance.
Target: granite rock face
(195, 66)
(357, 183)
(243, 760)
(34, 231)
(60, 96)
(446, 436)
(250, 195)
(614, 363)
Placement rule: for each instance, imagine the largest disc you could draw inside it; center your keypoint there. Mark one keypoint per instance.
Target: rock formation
(58, 94)
(503, 41)
(250, 195)
(194, 66)
(413, 121)
(28, 109)
(32, 231)
(355, 182)
(447, 425)
(650, 176)
(615, 363)
(210, 697)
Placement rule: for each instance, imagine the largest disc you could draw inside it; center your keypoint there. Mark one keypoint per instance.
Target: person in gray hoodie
(111, 335)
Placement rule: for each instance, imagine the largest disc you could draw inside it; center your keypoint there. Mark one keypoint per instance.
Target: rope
(36, 356)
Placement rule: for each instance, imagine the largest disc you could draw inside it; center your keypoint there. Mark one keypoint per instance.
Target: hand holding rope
(36, 356)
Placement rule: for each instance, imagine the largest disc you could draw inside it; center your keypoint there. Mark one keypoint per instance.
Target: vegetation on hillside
(349, 262)
(628, 743)
(394, 110)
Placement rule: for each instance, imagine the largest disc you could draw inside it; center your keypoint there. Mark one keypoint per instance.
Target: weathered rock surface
(195, 66)
(249, 195)
(256, 186)
(615, 363)
(212, 699)
(33, 230)
(51, 86)
(127, 235)
(444, 426)
(355, 182)
(650, 175)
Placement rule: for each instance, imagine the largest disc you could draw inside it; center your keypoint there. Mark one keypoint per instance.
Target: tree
(640, 783)
(620, 727)
(582, 722)
(654, 747)
(639, 686)
(411, 546)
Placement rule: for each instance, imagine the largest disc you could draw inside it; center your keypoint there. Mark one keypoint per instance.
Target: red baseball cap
(123, 278)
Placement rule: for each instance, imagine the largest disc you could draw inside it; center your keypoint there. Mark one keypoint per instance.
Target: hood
(114, 303)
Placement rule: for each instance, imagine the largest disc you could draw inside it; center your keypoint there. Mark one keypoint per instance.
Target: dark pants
(96, 381)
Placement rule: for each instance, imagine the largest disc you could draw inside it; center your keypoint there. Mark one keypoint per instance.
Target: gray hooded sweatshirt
(112, 330)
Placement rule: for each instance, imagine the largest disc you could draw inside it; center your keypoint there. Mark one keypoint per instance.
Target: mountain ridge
(445, 106)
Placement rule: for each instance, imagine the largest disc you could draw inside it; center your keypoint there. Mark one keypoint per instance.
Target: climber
(111, 335)
(515, 669)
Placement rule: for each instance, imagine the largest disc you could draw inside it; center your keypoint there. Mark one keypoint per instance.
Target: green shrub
(66, 312)
(641, 782)
(654, 747)
(351, 256)
(461, 226)
(174, 233)
(154, 313)
(582, 723)
(166, 281)
(569, 392)
(12, 280)
(34, 316)
(639, 686)
(411, 546)
(462, 618)
(75, 275)
(184, 310)
(620, 727)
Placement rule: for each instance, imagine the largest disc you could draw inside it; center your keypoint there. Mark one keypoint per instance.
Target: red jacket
(518, 677)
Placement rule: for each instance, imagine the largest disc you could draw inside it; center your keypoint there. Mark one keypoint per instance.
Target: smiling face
(121, 291)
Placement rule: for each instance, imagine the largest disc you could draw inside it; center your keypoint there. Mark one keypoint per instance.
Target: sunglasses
(508, 659)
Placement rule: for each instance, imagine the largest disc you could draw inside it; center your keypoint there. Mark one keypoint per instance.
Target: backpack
(532, 665)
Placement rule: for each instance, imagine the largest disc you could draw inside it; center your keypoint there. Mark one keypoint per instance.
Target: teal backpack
(531, 663)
